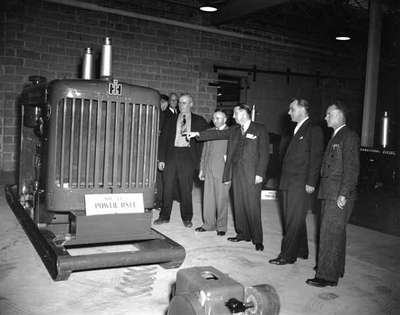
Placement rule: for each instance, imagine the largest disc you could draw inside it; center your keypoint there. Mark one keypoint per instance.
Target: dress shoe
(220, 233)
(259, 246)
(237, 239)
(188, 224)
(319, 282)
(303, 257)
(281, 261)
(200, 229)
(160, 221)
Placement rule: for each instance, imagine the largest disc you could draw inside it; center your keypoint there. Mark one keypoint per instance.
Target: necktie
(183, 125)
(242, 129)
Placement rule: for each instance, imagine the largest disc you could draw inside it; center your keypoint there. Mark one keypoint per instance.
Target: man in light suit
(339, 176)
(246, 164)
(216, 193)
(299, 177)
(179, 158)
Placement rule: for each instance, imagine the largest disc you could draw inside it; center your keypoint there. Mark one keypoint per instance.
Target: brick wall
(48, 39)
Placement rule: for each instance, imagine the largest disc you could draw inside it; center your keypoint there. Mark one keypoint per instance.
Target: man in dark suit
(299, 177)
(216, 193)
(169, 112)
(164, 99)
(339, 176)
(179, 158)
(246, 164)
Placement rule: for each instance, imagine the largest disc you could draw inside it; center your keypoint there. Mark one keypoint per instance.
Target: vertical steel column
(372, 73)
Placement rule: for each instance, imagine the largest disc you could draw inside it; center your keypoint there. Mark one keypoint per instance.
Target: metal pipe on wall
(372, 73)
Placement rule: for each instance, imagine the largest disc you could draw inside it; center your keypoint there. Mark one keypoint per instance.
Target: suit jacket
(302, 161)
(255, 152)
(213, 156)
(340, 166)
(166, 115)
(167, 138)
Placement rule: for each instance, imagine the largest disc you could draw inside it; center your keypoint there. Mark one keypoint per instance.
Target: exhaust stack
(87, 71)
(106, 57)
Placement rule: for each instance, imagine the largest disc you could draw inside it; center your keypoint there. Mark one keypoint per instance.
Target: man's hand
(227, 183)
(341, 202)
(190, 135)
(310, 189)
(258, 180)
(201, 175)
(161, 166)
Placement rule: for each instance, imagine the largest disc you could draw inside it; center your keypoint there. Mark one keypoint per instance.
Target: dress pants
(295, 204)
(215, 203)
(247, 204)
(159, 189)
(332, 241)
(179, 168)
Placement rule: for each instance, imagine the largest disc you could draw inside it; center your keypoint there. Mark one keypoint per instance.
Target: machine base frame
(59, 263)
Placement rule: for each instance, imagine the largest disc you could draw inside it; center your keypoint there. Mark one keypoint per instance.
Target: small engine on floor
(208, 291)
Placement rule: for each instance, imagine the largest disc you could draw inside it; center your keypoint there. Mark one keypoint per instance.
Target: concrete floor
(371, 284)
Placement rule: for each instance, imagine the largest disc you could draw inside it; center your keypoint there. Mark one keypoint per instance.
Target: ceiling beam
(238, 8)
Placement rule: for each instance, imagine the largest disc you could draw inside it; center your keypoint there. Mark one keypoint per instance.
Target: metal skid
(53, 250)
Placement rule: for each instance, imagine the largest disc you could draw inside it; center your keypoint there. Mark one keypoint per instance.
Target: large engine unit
(88, 143)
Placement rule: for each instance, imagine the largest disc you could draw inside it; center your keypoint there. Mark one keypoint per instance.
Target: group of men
(235, 158)
(305, 166)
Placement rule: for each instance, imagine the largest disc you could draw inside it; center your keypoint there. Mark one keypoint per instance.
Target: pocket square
(251, 136)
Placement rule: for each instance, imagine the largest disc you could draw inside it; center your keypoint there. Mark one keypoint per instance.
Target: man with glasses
(178, 159)
(216, 193)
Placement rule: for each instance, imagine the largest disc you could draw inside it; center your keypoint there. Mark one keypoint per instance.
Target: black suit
(180, 166)
(247, 156)
(339, 176)
(165, 115)
(301, 167)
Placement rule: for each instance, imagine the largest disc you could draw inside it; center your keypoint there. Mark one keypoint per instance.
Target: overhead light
(208, 8)
(342, 37)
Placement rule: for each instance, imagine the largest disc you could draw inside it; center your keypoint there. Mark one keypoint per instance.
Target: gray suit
(339, 176)
(216, 193)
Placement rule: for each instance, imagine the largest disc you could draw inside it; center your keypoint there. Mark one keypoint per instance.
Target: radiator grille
(105, 144)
